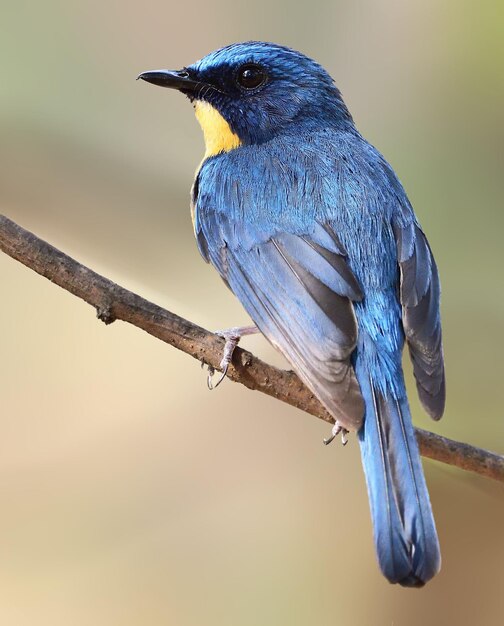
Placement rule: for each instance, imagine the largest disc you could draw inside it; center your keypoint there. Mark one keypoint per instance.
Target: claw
(336, 430)
(344, 439)
(211, 372)
(232, 337)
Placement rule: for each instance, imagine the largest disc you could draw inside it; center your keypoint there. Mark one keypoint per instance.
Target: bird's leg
(232, 337)
(336, 430)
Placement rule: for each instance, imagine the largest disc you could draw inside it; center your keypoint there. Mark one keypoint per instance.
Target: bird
(309, 226)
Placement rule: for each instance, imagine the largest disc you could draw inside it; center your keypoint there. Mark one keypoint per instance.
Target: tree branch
(113, 302)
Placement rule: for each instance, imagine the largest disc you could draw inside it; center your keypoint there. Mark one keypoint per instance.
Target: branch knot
(104, 313)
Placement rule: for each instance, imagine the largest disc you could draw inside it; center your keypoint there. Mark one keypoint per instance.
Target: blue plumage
(311, 229)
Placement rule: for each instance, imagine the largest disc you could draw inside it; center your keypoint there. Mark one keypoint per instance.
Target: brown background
(129, 494)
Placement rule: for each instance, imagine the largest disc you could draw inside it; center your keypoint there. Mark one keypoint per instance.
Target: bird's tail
(405, 535)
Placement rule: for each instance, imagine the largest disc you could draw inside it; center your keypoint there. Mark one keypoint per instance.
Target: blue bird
(311, 229)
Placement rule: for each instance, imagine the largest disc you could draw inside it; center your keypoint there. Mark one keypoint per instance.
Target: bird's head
(248, 93)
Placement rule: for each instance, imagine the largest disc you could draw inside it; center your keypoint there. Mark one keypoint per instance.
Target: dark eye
(251, 76)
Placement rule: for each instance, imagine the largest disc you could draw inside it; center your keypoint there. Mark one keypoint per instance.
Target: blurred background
(129, 493)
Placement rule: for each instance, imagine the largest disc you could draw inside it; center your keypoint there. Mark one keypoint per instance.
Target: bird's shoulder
(312, 174)
(290, 183)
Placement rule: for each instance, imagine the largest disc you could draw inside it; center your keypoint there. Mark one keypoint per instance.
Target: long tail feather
(405, 535)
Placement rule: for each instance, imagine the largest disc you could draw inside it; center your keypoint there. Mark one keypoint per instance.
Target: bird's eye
(251, 76)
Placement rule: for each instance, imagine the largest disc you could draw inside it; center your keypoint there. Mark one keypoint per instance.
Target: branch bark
(113, 302)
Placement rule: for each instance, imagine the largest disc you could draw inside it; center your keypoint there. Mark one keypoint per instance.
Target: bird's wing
(420, 294)
(298, 289)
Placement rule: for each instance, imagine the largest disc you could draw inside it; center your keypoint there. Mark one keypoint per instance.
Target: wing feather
(299, 293)
(420, 295)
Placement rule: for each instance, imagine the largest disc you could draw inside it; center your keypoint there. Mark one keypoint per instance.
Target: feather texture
(306, 313)
(309, 226)
(419, 294)
(403, 527)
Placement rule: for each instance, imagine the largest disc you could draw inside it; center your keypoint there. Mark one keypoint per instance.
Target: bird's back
(327, 177)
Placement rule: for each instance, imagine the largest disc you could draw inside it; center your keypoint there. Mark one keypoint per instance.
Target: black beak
(180, 80)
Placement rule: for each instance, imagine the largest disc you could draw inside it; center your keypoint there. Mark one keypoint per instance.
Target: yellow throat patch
(216, 131)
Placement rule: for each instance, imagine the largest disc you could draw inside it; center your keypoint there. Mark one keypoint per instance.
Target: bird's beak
(180, 80)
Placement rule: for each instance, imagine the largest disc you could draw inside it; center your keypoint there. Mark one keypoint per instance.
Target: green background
(130, 494)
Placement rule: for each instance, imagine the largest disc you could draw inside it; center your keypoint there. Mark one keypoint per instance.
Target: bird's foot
(336, 430)
(232, 337)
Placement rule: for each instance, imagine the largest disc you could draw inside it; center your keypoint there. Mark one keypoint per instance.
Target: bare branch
(113, 302)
